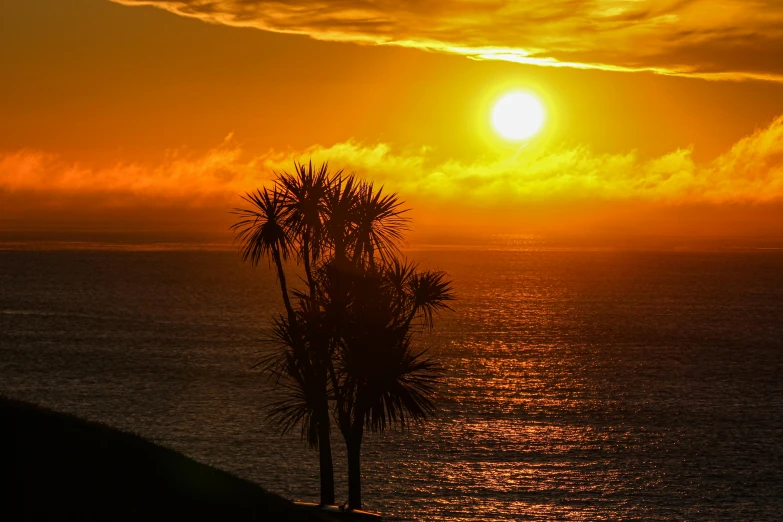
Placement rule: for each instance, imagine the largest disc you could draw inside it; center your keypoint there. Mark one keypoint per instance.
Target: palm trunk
(371, 257)
(326, 465)
(324, 441)
(308, 266)
(325, 456)
(354, 447)
(340, 255)
(283, 285)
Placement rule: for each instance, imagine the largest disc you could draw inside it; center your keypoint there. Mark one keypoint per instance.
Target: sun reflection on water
(578, 385)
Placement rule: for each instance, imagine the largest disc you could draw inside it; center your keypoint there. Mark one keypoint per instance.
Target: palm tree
(276, 222)
(348, 340)
(304, 194)
(383, 381)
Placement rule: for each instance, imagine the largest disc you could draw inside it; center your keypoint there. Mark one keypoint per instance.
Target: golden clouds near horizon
(532, 190)
(750, 171)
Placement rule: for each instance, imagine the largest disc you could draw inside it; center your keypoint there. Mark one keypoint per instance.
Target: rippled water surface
(579, 384)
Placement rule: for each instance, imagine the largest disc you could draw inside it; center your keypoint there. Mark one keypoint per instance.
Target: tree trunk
(354, 446)
(283, 285)
(307, 265)
(325, 457)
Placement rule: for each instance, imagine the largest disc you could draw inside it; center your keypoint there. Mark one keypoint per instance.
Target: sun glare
(518, 116)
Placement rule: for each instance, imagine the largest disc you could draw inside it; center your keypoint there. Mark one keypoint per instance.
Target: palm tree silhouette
(383, 380)
(304, 194)
(346, 344)
(275, 222)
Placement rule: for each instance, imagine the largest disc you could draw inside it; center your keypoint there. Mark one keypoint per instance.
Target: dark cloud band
(731, 39)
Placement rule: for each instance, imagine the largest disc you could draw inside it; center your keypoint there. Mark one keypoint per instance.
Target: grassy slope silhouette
(59, 467)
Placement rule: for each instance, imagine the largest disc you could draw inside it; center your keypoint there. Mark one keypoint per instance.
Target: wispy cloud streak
(713, 39)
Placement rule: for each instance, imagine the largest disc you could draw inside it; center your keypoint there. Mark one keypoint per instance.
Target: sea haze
(579, 384)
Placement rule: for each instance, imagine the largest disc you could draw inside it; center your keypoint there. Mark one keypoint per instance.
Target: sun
(518, 116)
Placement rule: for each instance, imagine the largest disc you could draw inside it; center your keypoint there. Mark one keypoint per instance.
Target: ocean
(580, 384)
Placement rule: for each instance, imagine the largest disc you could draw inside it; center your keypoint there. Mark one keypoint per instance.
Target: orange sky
(138, 118)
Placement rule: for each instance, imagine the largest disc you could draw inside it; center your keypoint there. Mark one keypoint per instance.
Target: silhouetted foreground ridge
(59, 467)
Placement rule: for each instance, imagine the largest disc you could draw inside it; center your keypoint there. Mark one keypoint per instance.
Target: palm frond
(262, 231)
(303, 194)
(379, 223)
(291, 370)
(430, 292)
(400, 391)
(340, 201)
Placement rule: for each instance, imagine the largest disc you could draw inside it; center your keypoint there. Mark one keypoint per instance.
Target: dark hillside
(59, 467)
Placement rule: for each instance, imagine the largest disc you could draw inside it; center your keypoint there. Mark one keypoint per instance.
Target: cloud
(751, 171)
(714, 39)
(185, 178)
(529, 185)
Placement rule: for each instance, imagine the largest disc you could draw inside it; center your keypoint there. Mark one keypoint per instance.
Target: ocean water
(580, 384)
